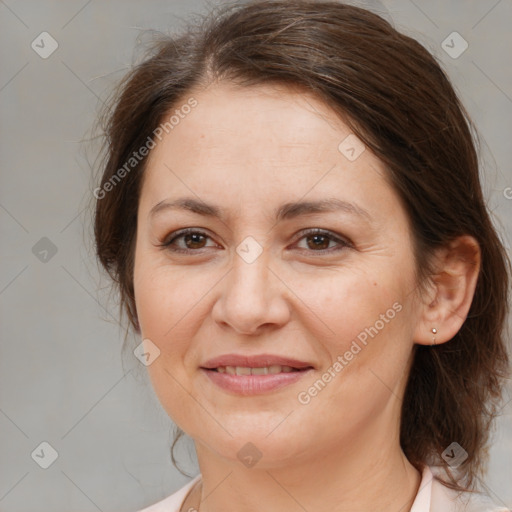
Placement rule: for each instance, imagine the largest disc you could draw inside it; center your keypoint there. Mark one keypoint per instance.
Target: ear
(446, 304)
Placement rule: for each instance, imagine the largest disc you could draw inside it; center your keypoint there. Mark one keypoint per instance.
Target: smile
(265, 370)
(247, 381)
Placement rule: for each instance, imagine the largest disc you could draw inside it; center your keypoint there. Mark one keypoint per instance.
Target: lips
(247, 370)
(271, 362)
(254, 375)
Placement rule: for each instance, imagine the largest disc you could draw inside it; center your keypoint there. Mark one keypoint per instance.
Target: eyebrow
(284, 212)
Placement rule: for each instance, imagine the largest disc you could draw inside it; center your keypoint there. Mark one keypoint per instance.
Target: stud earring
(434, 332)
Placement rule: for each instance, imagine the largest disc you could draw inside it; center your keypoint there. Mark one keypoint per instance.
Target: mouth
(262, 363)
(258, 370)
(253, 375)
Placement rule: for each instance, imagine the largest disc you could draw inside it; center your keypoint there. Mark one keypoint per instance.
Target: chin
(250, 446)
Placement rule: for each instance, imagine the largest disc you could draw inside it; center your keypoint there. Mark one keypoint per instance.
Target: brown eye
(188, 240)
(194, 241)
(318, 240)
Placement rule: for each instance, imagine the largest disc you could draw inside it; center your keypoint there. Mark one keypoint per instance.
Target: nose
(252, 298)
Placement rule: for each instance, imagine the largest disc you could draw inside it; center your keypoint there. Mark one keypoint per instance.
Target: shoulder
(173, 502)
(446, 499)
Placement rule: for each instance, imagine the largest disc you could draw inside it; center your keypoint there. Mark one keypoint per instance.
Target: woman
(291, 207)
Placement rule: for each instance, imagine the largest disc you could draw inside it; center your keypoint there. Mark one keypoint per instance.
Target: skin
(248, 151)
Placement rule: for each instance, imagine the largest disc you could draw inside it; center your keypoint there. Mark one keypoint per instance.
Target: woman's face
(252, 285)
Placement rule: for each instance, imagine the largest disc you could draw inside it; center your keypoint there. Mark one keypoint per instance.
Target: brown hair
(399, 102)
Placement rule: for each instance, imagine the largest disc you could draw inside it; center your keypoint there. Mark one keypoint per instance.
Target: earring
(434, 332)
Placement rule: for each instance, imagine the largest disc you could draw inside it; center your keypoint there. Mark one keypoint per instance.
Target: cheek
(168, 303)
(373, 343)
(369, 314)
(333, 306)
(354, 304)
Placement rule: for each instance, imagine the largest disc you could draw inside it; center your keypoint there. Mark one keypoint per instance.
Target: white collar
(423, 497)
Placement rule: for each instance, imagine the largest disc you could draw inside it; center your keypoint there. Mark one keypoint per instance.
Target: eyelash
(343, 244)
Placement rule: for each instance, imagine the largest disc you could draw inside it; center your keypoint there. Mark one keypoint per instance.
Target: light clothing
(432, 496)
(173, 502)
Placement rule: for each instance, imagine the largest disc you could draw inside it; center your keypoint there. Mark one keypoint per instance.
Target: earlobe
(453, 288)
(434, 332)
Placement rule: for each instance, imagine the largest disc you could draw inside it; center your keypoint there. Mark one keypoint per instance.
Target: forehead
(276, 118)
(256, 143)
(264, 124)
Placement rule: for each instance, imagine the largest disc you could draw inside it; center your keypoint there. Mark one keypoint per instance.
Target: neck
(361, 475)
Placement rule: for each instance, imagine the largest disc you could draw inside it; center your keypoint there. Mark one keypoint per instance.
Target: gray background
(62, 377)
